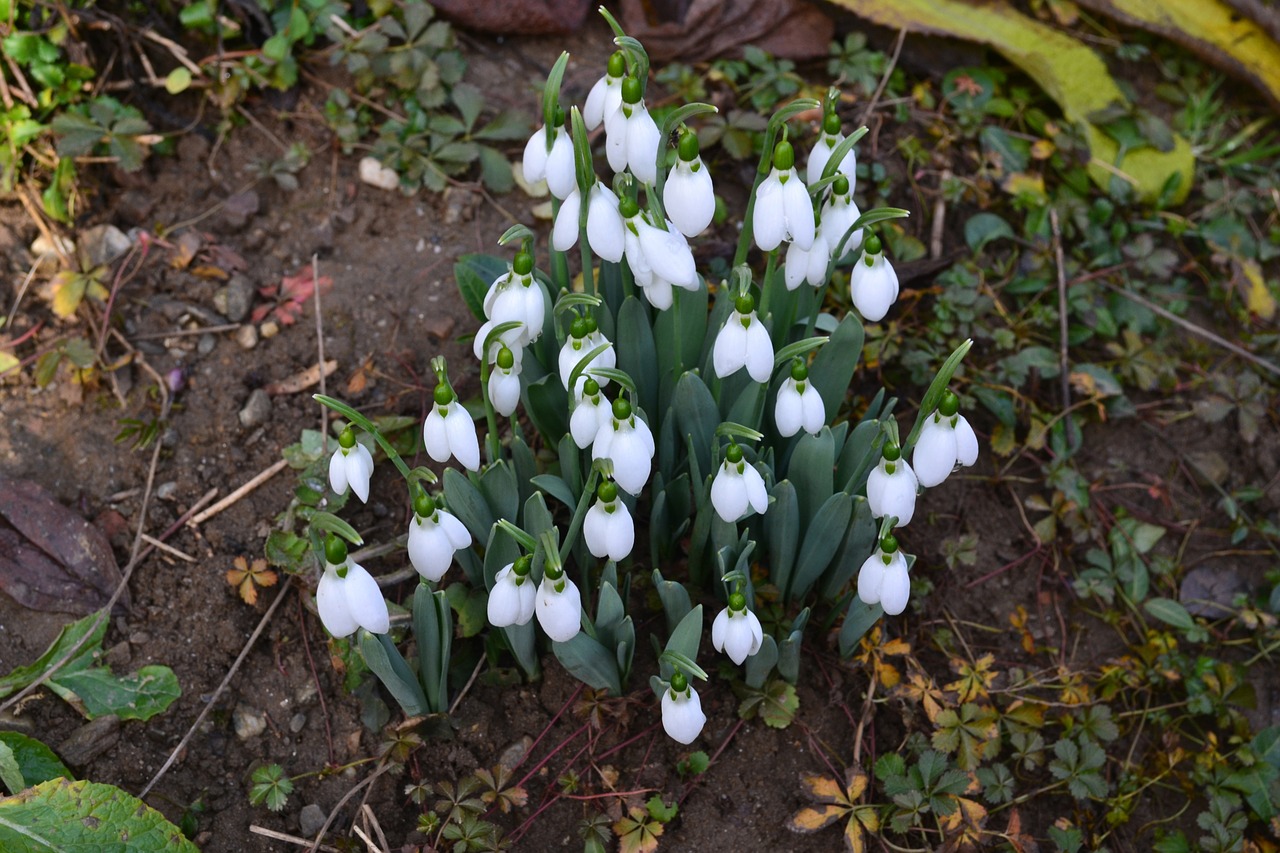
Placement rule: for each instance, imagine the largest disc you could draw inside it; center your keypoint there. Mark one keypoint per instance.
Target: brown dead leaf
(246, 577)
(51, 558)
(185, 249)
(210, 271)
(302, 380)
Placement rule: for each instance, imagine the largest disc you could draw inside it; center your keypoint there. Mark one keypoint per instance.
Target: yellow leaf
(1003, 441)
(8, 361)
(853, 837)
(1025, 184)
(821, 789)
(855, 783)
(811, 820)
(68, 292)
(1257, 296)
(1067, 70)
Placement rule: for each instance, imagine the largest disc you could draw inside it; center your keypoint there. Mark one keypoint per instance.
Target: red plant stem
(1006, 567)
(611, 750)
(550, 754)
(548, 801)
(28, 333)
(545, 730)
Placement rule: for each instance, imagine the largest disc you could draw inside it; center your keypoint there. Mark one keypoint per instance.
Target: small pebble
(311, 819)
(90, 740)
(247, 336)
(377, 175)
(269, 329)
(248, 722)
(256, 410)
(166, 491)
(298, 722)
(206, 344)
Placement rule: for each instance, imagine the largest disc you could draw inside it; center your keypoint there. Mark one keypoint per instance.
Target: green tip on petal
(950, 403)
(608, 491)
(617, 64)
(688, 146)
(590, 388)
(591, 324)
(628, 208)
(872, 246)
(523, 264)
(831, 124)
(506, 360)
(423, 505)
(578, 328)
(840, 186)
(784, 156)
(621, 409)
(889, 544)
(733, 455)
(737, 603)
(631, 91)
(744, 304)
(679, 683)
(335, 550)
(522, 566)
(443, 394)
(892, 452)
(347, 440)
(557, 118)
(799, 370)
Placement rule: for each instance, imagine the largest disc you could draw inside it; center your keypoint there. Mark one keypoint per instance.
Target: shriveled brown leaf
(301, 380)
(51, 558)
(703, 29)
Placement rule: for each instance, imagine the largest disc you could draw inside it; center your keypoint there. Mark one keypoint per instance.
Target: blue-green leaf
(824, 535)
(590, 662)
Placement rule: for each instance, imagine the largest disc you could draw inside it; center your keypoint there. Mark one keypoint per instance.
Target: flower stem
(367, 425)
(493, 448)
(579, 513)
(767, 284)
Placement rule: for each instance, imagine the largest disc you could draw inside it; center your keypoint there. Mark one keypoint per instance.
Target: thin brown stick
(291, 839)
(235, 667)
(372, 820)
(884, 79)
(1064, 372)
(324, 410)
(368, 842)
(182, 333)
(17, 300)
(333, 815)
(38, 218)
(168, 549)
(466, 687)
(239, 493)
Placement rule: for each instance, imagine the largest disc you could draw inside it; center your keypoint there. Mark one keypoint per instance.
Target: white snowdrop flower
(743, 342)
(658, 258)
(799, 405)
(558, 605)
(892, 486)
(604, 223)
(607, 527)
(584, 336)
(737, 487)
(632, 137)
(682, 717)
(883, 578)
(434, 536)
(873, 285)
(688, 195)
(807, 265)
(512, 599)
(946, 441)
(556, 166)
(351, 465)
(605, 97)
(504, 383)
(627, 442)
(782, 208)
(736, 630)
(450, 432)
(347, 596)
(838, 215)
(591, 412)
(828, 141)
(515, 297)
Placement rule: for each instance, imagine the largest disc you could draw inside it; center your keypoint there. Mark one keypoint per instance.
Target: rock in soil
(90, 740)
(233, 300)
(247, 336)
(256, 410)
(248, 722)
(377, 175)
(102, 244)
(311, 820)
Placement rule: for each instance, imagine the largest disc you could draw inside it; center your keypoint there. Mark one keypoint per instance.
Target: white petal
(593, 109)
(718, 628)
(457, 533)
(338, 472)
(429, 549)
(682, 719)
(360, 469)
(873, 288)
(757, 494)
(689, 197)
(434, 435)
(768, 219)
(669, 256)
(900, 495)
(798, 210)
(728, 494)
(535, 156)
(631, 466)
(814, 411)
(877, 481)
(504, 391)
(559, 613)
(528, 597)
(564, 233)
(759, 351)
(605, 230)
(535, 311)
(871, 578)
(603, 445)
(818, 158)
(562, 177)
(584, 423)
(797, 266)
(739, 639)
(644, 436)
(896, 587)
(730, 352)
(934, 456)
(757, 633)
(331, 604)
(643, 138)
(819, 256)
(634, 253)
(621, 533)
(462, 437)
(503, 608)
(788, 409)
(595, 530)
(658, 293)
(966, 442)
(364, 600)
(615, 141)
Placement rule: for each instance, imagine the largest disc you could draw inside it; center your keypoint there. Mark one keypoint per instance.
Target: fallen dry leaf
(302, 380)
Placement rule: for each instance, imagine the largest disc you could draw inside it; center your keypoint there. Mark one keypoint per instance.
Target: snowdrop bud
(782, 208)
(632, 137)
(504, 383)
(351, 465)
(605, 97)
(736, 630)
(946, 441)
(821, 154)
(682, 717)
(584, 336)
(838, 215)
(604, 223)
(892, 486)
(737, 487)
(450, 432)
(883, 578)
(688, 195)
(607, 527)
(347, 596)
(434, 536)
(873, 285)
(558, 605)
(743, 342)
(627, 442)
(556, 167)
(799, 405)
(512, 599)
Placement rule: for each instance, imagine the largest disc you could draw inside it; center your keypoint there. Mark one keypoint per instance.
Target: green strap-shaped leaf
(858, 620)
(433, 633)
(812, 470)
(637, 353)
(858, 543)
(685, 639)
(761, 664)
(467, 503)
(501, 493)
(61, 815)
(474, 275)
(557, 488)
(590, 662)
(382, 656)
(782, 524)
(697, 417)
(675, 600)
(820, 543)
(833, 367)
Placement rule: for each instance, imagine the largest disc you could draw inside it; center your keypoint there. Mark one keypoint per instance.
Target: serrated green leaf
(61, 815)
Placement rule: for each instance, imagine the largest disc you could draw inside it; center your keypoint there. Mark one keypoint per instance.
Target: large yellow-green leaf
(1209, 28)
(60, 816)
(1068, 71)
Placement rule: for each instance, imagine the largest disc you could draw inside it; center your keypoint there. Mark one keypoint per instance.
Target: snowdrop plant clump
(687, 433)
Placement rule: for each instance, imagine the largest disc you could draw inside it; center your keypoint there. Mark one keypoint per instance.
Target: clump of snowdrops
(695, 427)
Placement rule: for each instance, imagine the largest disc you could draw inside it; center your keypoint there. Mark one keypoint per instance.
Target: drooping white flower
(946, 441)
(782, 208)
(513, 597)
(632, 136)
(839, 213)
(556, 166)
(348, 597)
(736, 630)
(559, 607)
(688, 194)
(743, 342)
(799, 405)
(607, 527)
(449, 431)
(434, 536)
(891, 487)
(807, 265)
(828, 141)
(627, 442)
(605, 97)
(873, 285)
(658, 258)
(737, 487)
(591, 412)
(516, 297)
(584, 337)
(504, 383)
(351, 465)
(604, 223)
(883, 578)
(682, 717)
